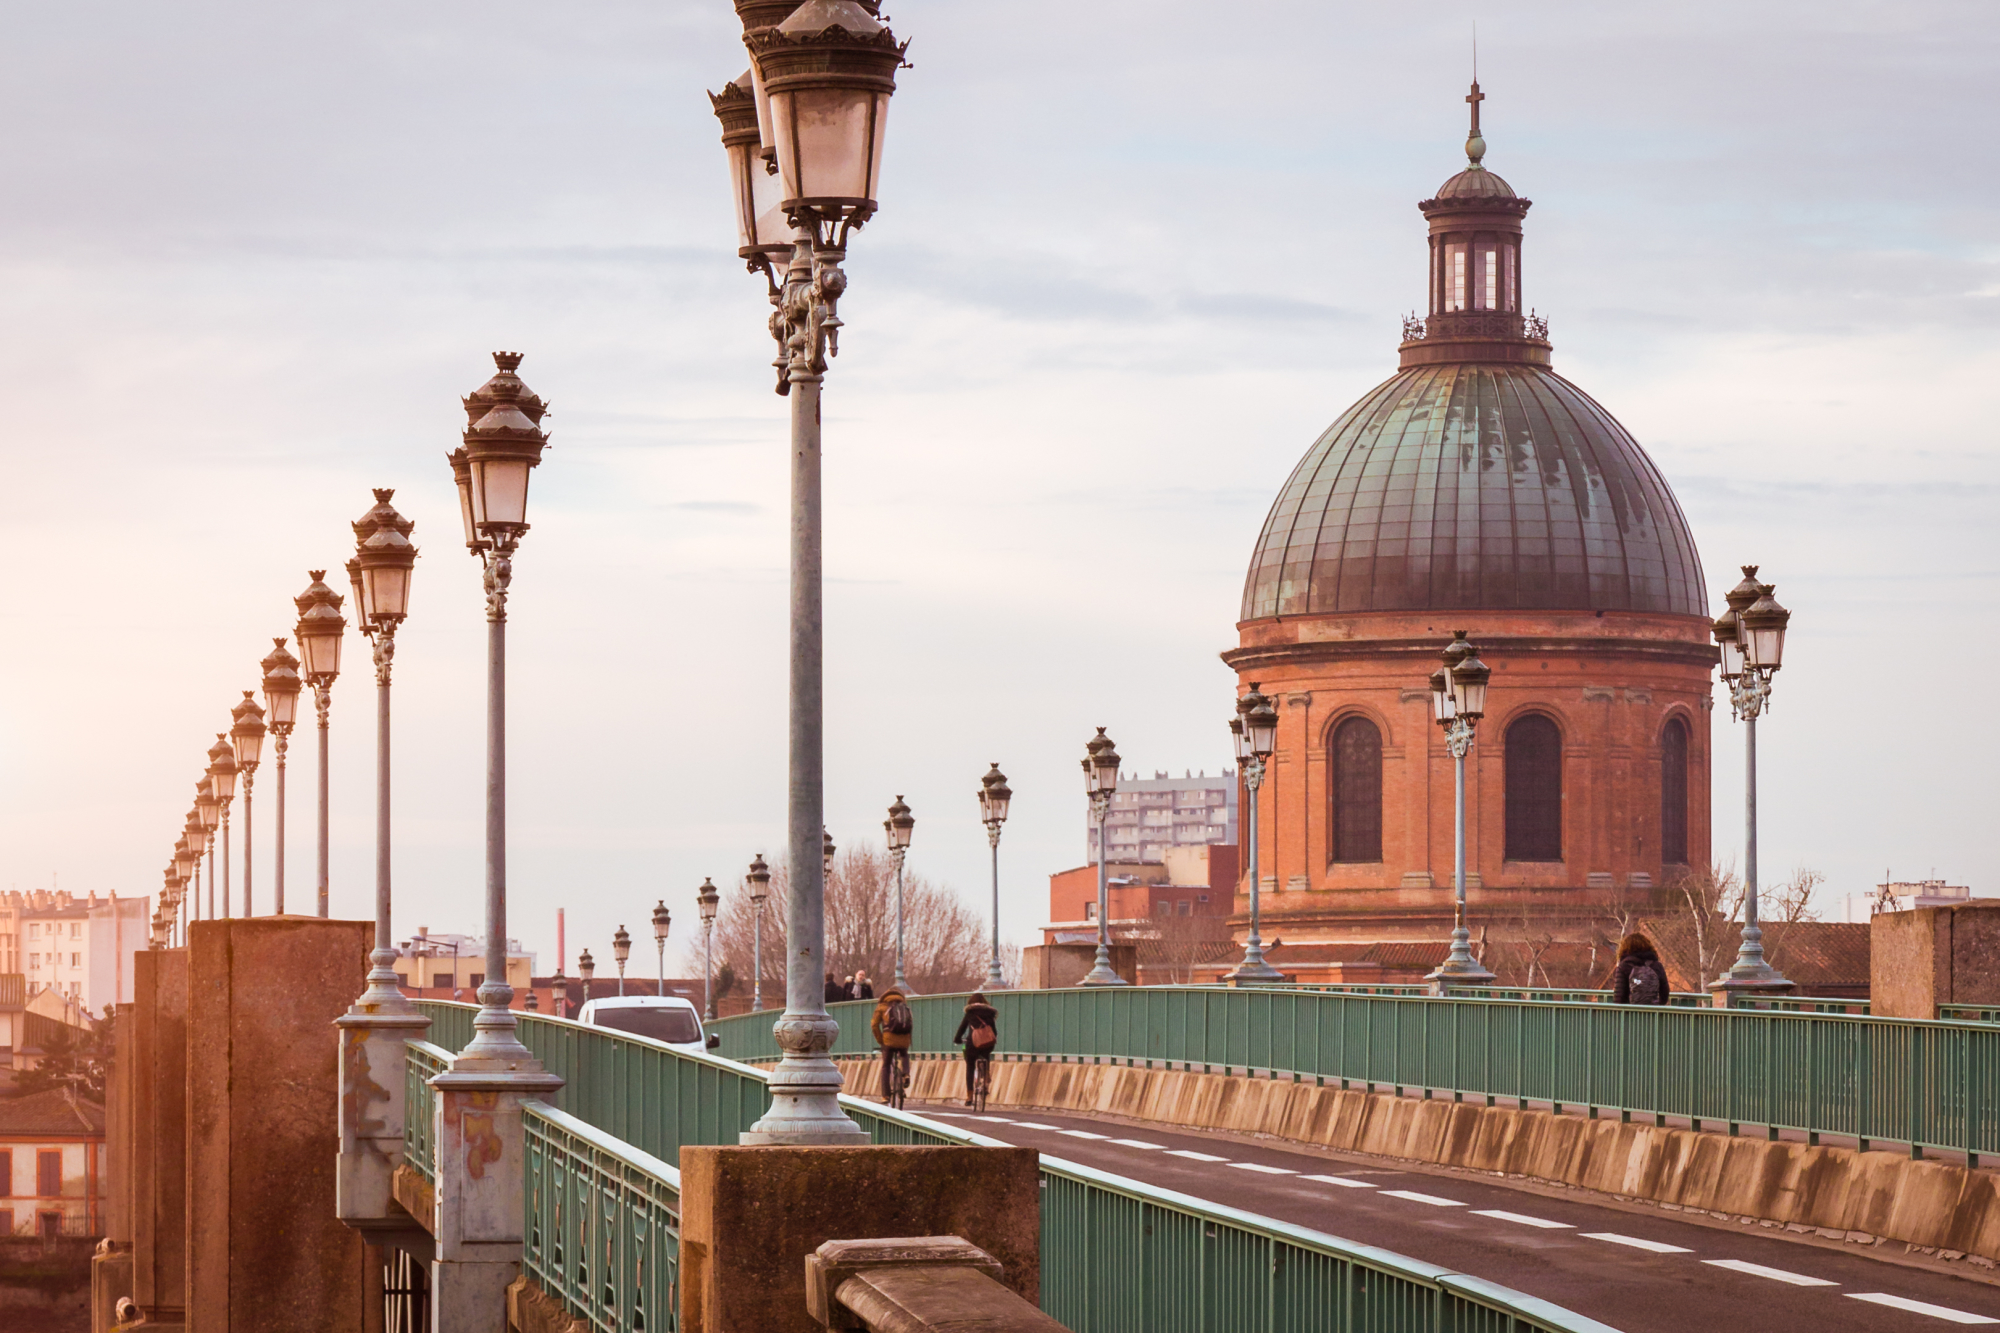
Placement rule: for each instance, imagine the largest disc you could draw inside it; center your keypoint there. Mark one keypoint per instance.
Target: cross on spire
(1475, 97)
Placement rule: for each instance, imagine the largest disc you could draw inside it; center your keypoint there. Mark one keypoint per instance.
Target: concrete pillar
(111, 1266)
(265, 1248)
(481, 1175)
(371, 1123)
(159, 1135)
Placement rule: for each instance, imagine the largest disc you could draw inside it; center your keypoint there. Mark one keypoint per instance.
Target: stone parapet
(158, 1130)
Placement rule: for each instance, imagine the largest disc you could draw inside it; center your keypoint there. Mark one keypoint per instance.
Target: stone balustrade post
(373, 1092)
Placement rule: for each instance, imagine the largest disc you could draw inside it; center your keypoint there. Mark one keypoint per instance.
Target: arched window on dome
(1355, 758)
(1674, 793)
(1534, 790)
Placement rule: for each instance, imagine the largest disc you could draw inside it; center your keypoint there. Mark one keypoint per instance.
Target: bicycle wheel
(980, 1083)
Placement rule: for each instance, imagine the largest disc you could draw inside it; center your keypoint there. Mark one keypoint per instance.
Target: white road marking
(993, 1119)
(1267, 1170)
(1338, 1180)
(1526, 1221)
(1431, 1199)
(1138, 1143)
(1082, 1134)
(1194, 1156)
(1919, 1307)
(1657, 1247)
(1775, 1274)
(1029, 1124)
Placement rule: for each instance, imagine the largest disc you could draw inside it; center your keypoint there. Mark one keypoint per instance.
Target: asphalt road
(1637, 1269)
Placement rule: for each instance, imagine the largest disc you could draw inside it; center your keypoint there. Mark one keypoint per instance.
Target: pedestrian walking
(1641, 977)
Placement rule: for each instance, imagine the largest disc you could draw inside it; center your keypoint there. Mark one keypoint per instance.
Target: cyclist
(891, 1026)
(979, 1032)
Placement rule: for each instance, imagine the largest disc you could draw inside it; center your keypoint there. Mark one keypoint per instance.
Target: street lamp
(706, 899)
(994, 797)
(380, 576)
(197, 841)
(1100, 780)
(1751, 635)
(502, 444)
(662, 922)
(898, 826)
(222, 779)
(1254, 731)
(821, 80)
(1458, 701)
(246, 738)
(759, 880)
(586, 967)
(281, 703)
(209, 811)
(319, 633)
(621, 949)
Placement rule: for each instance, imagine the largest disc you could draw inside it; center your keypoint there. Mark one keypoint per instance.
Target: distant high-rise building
(1150, 815)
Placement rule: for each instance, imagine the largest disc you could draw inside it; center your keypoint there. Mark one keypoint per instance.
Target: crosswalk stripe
(1526, 1221)
(1431, 1199)
(1267, 1170)
(1194, 1156)
(1920, 1307)
(1657, 1247)
(1775, 1274)
(1341, 1180)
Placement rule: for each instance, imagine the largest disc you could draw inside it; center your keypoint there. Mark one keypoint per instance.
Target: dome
(1475, 486)
(1475, 182)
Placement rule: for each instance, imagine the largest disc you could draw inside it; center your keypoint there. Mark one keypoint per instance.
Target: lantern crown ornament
(320, 630)
(246, 733)
(281, 687)
(383, 559)
(504, 440)
(994, 796)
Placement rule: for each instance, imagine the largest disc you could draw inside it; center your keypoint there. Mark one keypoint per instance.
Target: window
(48, 1173)
(1512, 296)
(1456, 300)
(1187, 908)
(1166, 908)
(1357, 791)
(671, 1023)
(76, 960)
(476, 980)
(34, 930)
(34, 960)
(6, 1175)
(1534, 790)
(76, 930)
(1090, 911)
(1489, 266)
(1674, 793)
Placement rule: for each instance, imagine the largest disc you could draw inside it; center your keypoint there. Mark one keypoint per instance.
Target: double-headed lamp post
(813, 106)
(281, 704)
(246, 738)
(663, 921)
(994, 797)
(621, 950)
(1458, 701)
(706, 899)
(1254, 730)
(502, 444)
(1751, 635)
(1100, 781)
(759, 881)
(319, 633)
(222, 780)
(898, 826)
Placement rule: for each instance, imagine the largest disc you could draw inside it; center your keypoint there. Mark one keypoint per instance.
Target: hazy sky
(1131, 259)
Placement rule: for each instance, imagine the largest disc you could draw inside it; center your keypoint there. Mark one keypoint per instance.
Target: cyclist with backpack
(892, 1025)
(1641, 977)
(979, 1032)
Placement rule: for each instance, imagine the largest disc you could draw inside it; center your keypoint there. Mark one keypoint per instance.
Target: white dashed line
(1657, 1247)
(1029, 1124)
(1194, 1156)
(1267, 1170)
(1919, 1307)
(993, 1119)
(1340, 1180)
(1775, 1274)
(1138, 1143)
(1526, 1221)
(1431, 1199)
(1082, 1134)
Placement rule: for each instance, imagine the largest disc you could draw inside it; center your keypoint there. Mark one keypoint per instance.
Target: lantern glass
(500, 490)
(1441, 702)
(1725, 632)
(360, 594)
(387, 591)
(662, 921)
(829, 141)
(586, 967)
(621, 945)
(461, 476)
(759, 879)
(995, 796)
(1107, 770)
(1762, 628)
(706, 900)
(222, 771)
(319, 646)
(1262, 724)
(1468, 687)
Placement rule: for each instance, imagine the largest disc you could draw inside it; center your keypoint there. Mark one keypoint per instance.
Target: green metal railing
(424, 1063)
(1969, 1013)
(1926, 1084)
(1117, 1256)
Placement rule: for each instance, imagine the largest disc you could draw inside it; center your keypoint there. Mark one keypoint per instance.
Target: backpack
(1644, 985)
(896, 1019)
(981, 1036)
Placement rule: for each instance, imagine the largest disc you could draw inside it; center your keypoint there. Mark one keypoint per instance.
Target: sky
(1130, 261)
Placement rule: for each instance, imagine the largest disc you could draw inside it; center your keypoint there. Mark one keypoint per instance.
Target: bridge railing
(603, 1214)
(1925, 1084)
(425, 1061)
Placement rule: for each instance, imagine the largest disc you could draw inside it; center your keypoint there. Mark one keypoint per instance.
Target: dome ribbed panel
(1470, 487)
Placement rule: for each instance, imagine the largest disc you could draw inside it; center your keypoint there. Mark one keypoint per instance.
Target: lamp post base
(1459, 967)
(1258, 973)
(1761, 980)
(805, 1090)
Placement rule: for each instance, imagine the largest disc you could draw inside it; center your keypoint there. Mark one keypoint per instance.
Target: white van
(663, 1018)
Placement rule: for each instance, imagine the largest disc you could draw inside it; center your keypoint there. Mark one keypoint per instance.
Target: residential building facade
(77, 947)
(1150, 816)
(51, 1165)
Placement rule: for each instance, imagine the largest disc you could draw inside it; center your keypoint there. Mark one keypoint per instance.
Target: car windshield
(661, 1024)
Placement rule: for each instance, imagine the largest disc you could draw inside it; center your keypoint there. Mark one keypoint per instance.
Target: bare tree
(1180, 944)
(1784, 905)
(945, 942)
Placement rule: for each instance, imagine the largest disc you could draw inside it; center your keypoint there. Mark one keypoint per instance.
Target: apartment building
(1149, 816)
(78, 947)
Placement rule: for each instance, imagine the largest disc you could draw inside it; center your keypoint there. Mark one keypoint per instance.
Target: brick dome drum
(1475, 487)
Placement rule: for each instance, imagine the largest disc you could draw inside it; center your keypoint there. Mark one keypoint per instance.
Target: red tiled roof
(56, 1114)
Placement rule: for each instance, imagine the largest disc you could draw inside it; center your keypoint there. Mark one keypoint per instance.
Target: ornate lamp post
(759, 880)
(621, 949)
(1100, 780)
(994, 797)
(1254, 730)
(197, 840)
(706, 899)
(222, 778)
(586, 968)
(1458, 701)
(1751, 635)
(281, 703)
(187, 863)
(246, 738)
(899, 825)
(209, 811)
(319, 633)
(819, 97)
(663, 921)
(503, 443)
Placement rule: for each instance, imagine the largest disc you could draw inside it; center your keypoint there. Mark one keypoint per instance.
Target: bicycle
(982, 1083)
(899, 1076)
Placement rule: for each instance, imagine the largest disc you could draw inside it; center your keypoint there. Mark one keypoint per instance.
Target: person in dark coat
(979, 1032)
(1641, 977)
(834, 990)
(863, 988)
